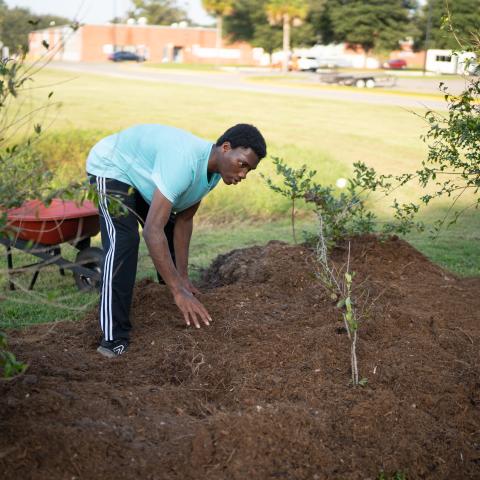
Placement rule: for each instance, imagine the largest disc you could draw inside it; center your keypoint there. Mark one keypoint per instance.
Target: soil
(264, 392)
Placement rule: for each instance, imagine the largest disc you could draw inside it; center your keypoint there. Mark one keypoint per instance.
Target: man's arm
(157, 244)
(182, 235)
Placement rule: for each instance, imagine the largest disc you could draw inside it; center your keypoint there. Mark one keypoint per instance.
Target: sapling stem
(340, 286)
(354, 360)
(321, 244)
(293, 221)
(351, 320)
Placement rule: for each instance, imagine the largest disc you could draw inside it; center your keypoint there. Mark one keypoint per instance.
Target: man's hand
(176, 279)
(190, 286)
(192, 309)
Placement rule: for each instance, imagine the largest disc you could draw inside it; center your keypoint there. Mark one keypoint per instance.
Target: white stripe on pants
(106, 318)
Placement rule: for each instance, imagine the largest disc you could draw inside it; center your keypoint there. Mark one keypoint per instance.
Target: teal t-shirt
(153, 156)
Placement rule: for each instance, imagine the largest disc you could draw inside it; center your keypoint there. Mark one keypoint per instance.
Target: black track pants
(120, 240)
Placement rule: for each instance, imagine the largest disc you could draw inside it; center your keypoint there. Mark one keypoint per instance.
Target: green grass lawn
(328, 136)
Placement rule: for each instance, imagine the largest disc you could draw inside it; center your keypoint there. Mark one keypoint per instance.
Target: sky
(100, 11)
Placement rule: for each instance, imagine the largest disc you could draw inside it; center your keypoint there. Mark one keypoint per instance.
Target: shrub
(296, 184)
(341, 215)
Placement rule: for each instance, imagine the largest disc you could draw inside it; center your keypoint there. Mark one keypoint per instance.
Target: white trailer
(448, 61)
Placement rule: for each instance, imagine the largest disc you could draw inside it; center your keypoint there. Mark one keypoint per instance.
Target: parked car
(395, 64)
(125, 57)
(307, 64)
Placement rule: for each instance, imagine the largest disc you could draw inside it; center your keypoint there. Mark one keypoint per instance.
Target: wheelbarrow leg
(34, 279)
(11, 285)
(82, 244)
(57, 252)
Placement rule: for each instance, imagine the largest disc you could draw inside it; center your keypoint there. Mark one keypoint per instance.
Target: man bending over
(160, 174)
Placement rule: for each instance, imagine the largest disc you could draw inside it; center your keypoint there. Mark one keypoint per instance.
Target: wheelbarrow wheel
(92, 258)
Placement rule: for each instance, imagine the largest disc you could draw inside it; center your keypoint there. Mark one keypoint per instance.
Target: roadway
(410, 93)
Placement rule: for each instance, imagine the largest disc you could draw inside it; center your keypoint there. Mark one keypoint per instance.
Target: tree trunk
(218, 43)
(367, 51)
(218, 40)
(286, 41)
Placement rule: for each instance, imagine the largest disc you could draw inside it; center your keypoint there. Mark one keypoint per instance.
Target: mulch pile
(264, 392)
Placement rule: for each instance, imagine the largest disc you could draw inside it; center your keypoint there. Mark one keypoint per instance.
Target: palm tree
(286, 12)
(218, 8)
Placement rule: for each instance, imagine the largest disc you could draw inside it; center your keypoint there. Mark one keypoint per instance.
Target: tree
(268, 37)
(285, 12)
(314, 29)
(218, 8)
(248, 22)
(17, 23)
(157, 12)
(240, 24)
(373, 24)
(458, 17)
(321, 18)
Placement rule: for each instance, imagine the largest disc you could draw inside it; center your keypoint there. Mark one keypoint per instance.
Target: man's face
(236, 163)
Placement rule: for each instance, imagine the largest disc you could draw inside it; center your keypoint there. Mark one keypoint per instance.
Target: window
(443, 58)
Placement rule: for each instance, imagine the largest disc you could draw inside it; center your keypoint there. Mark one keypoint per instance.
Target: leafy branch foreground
(451, 169)
(23, 173)
(8, 363)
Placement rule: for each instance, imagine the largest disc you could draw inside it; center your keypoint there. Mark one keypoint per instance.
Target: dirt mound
(264, 392)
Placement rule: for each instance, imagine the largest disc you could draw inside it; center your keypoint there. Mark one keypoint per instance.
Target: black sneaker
(113, 349)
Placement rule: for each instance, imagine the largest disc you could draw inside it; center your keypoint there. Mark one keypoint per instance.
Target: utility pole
(427, 35)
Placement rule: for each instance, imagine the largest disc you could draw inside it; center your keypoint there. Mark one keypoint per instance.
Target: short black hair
(247, 136)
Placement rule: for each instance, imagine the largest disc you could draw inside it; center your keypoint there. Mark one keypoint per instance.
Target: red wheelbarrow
(40, 231)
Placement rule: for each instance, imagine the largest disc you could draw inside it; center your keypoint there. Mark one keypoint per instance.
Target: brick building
(94, 43)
